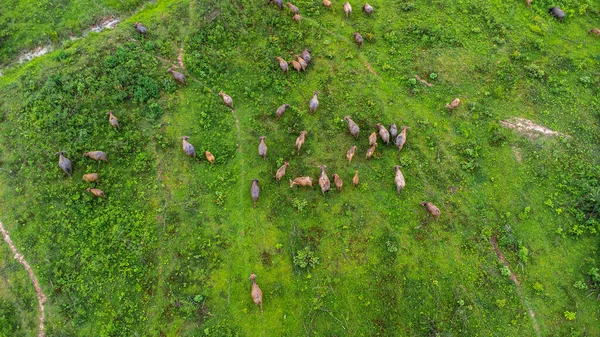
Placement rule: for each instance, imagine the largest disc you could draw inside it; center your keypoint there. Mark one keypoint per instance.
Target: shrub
(580, 285)
(505, 271)
(306, 258)
(524, 254)
(300, 204)
(538, 287)
(391, 247)
(534, 71)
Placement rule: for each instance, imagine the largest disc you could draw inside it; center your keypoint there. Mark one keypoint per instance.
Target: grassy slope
(26, 24)
(378, 274)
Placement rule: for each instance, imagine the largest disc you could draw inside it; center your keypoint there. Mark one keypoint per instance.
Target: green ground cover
(168, 252)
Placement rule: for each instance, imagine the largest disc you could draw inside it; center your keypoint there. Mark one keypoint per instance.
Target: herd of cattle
(299, 63)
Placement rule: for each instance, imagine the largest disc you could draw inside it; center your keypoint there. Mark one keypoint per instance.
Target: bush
(306, 258)
(300, 204)
(505, 271)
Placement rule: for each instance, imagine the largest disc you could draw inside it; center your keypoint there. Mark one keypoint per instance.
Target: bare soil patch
(529, 128)
(423, 81)
(37, 52)
(105, 23)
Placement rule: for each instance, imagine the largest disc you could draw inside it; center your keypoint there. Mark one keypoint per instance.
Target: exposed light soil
(37, 52)
(529, 128)
(423, 81)
(105, 23)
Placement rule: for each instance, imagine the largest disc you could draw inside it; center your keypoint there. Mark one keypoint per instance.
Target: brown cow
(226, 99)
(281, 110)
(283, 65)
(187, 147)
(371, 151)
(301, 181)
(373, 138)
(300, 140)
(256, 292)
(96, 155)
(177, 76)
(453, 104)
(209, 157)
(262, 148)
(324, 180)
(358, 39)
(114, 122)
(96, 192)
(255, 191)
(314, 102)
(347, 9)
(64, 163)
(281, 171)
(337, 181)
(306, 55)
(350, 153)
(296, 65)
(354, 129)
(383, 133)
(431, 209)
(89, 177)
(401, 138)
(302, 62)
(399, 179)
(293, 8)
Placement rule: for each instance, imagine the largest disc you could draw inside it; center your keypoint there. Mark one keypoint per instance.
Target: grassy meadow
(169, 251)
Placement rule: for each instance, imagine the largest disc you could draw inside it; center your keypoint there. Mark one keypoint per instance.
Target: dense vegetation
(168, 252)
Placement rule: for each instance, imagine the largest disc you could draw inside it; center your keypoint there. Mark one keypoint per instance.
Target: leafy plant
(300, 204)
(569, 315)
(391, 247)
(580, 285)
(306, 258)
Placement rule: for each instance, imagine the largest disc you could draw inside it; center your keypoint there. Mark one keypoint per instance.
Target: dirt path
(513, 277)
(423, 81)
(40, 295)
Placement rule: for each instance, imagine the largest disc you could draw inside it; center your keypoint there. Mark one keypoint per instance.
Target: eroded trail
(40, 295)
(513, 277)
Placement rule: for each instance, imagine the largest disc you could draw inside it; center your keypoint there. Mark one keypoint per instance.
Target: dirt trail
(423, 81)
(40, 295)
(513, 277)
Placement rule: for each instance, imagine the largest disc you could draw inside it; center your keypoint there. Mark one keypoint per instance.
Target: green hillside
(169, 250)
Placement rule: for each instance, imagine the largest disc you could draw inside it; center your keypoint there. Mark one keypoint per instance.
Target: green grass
(27, 24)
(169, 251)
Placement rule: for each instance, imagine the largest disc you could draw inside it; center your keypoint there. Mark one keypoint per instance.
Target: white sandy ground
(529, 128)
